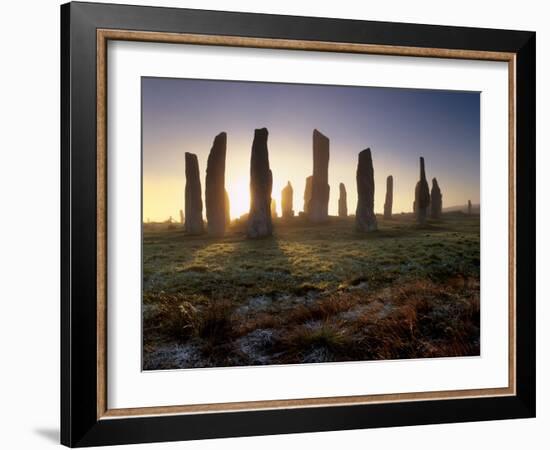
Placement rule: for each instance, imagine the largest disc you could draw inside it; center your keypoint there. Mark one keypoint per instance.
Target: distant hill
(463, 208)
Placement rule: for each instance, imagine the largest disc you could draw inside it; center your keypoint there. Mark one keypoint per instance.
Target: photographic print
(294, 223)
(294, 213)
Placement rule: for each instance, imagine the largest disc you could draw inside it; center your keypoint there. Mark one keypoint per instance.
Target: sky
(398, 125)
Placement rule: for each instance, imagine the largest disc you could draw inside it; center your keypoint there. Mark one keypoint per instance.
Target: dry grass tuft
(327, 341)
(179, 319)
(321, 310)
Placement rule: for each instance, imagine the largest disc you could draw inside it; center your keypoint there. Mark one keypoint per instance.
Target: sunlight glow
(398, 125)
(239, 197)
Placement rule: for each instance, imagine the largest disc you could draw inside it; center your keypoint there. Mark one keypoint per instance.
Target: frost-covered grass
(312, 293)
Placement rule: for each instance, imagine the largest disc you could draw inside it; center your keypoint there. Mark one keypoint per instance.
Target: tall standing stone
(193, 196)
(182, 220)
(215, 187)
(227, 206)
(365, 219)
(307, 194)
(436, 200)
(261, 183)
(469, 207)
(273, 209)
(421, 196)
(287, 195)
(320, 190)
(343, 201)
(388, 204)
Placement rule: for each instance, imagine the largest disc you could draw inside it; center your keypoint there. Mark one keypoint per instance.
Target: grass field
(311, 293)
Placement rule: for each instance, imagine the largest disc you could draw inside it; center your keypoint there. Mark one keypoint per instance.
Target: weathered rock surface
(273, 209)
(307, 194)
(215, 187)
(421, 196)
(436, 200)
(261, 183)
(287, 195)
(388, 204)
(365, 219)
(320, 190)
(193, 196)
(343, 201)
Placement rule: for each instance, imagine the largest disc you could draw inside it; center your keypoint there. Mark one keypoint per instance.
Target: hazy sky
(399, 125)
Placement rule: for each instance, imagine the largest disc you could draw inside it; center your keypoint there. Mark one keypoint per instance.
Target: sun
(239, 197)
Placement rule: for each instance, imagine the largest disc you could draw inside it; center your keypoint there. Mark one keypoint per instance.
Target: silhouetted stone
(261, 182)
(388, 205)
(320, 190)
(227, 206)
(421, 196)
(215, 187)
(193, 197)
(365, 219)
(436, 200)
(182, 220)
(307, 194)
(343, 201)
(469, 207)
(287, 195)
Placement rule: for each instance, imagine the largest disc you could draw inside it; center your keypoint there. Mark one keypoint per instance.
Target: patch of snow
(256, 345)
(385, 311)
(362, 286)
(313, 324)
(265, 303)
(318, 355)
(170, 356)
(254, 304)
(353, 313)
(372, 308)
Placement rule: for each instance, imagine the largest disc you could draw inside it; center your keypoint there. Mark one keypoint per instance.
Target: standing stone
(307, 194)
(287, 195)
(261, 182)
(389, 198)
(182, 221)
(436, 200)
(469, 207)
(227, 206)
(365, 219)
(421, 196)
(273, 209)
(215, 187)
(193, 197)
(343, 202)
(320, 190)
